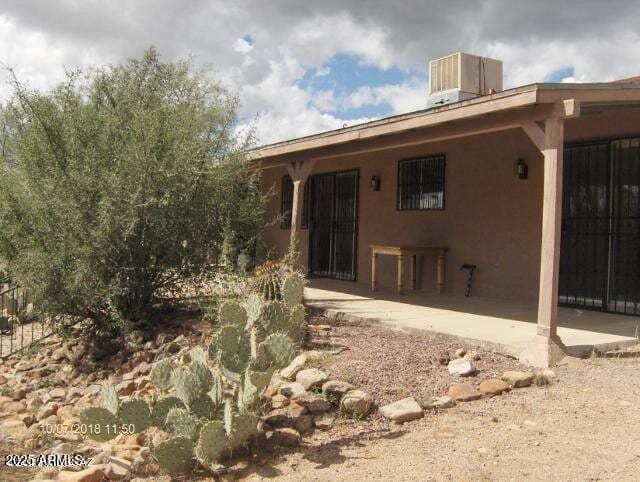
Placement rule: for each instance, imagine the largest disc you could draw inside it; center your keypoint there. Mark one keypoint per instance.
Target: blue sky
(345, 74)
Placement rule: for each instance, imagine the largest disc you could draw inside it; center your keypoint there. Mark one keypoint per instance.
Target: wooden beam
(465, 110)
(568, 108)
(470, 127)
(546, 348)
(551, 225)
(535, 133)
(299, 173)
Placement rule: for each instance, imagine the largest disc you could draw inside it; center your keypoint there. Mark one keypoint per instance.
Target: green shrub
(120, 183)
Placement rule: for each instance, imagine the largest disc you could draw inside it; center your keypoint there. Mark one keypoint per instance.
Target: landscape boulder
(311, 378)
(291, 370)
(493, 386)
(437, 403)
(464, 392)
(12, 428)
(285, 437)
(92, 474)
(462, 367)
(355, 402)
(333, 390)
(291, 389)
(324, 422)
(314, 403)
(403, 410)
(518, 379)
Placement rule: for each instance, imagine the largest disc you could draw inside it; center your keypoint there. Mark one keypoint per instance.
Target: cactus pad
(293, 289)
(175, 455)
(229, 339)
(101, 425)
(135, 413)
(198, 355)
(216, 391)
(161, 409)
(244, 426)
(254, 305)
(109, 398)
(231, 372)
(202, 376)
(212, 442)
(182, 424)
(186, 385)
(297, 329)
(274, 317)
(260, 379)
(278, 348)
(232, 313)
(203, 407)
(161, 375)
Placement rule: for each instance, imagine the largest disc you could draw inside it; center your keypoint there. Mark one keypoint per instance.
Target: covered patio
(485, 180)
(503, 326)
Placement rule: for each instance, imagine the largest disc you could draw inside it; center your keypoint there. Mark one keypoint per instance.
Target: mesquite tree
(121, 182)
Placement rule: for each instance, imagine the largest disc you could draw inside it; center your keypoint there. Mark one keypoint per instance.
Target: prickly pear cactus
(235, 352)
(233, 313)
(293, 289)
(260, 379)
(198, 355)
(135, 414)
(185, 385)
(175, 455)
(161, 409)
(278, 348)
(182, 424)
(203, 407)
(202, 376)
(161, 375)
(101, 425)
(297, 328)
(230, 340)
(212, 442)
(109, 398)
(216, 393)
(274, 318)
(253, 305)
(242, 428)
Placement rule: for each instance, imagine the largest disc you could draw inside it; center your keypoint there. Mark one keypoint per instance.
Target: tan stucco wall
(491, 218)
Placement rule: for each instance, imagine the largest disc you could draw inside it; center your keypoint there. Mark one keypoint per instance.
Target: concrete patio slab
(499, 325)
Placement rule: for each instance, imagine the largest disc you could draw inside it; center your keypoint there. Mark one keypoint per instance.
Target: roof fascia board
(491, 105)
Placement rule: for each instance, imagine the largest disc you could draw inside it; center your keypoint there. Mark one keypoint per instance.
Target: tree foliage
(120, 182)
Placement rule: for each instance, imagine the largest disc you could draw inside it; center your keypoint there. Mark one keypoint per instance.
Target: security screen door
(600, 254)
(333, 223)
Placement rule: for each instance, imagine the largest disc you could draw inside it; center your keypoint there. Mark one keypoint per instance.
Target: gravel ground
(583, 427)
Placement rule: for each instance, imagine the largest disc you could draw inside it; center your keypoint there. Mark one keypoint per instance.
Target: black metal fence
(20, 325)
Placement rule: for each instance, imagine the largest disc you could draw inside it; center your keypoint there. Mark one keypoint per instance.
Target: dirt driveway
(584, 427)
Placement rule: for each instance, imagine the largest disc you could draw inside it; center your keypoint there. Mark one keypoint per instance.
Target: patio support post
(547, 348)
(299, 173)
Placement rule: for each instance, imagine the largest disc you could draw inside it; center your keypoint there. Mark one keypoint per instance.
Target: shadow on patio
(502, 325)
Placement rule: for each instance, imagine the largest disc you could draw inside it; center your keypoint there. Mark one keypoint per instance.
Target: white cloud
(289, 37)
(242, 46)
(405, 97)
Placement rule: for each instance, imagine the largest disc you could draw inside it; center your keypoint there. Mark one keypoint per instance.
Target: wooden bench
(402, 252)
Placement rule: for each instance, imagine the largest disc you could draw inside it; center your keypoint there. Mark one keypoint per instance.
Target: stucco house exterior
(537, 186)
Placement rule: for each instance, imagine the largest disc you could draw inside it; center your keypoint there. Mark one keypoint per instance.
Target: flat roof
(522, 96)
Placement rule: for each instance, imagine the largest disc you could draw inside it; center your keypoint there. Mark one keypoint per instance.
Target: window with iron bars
(421, 183)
